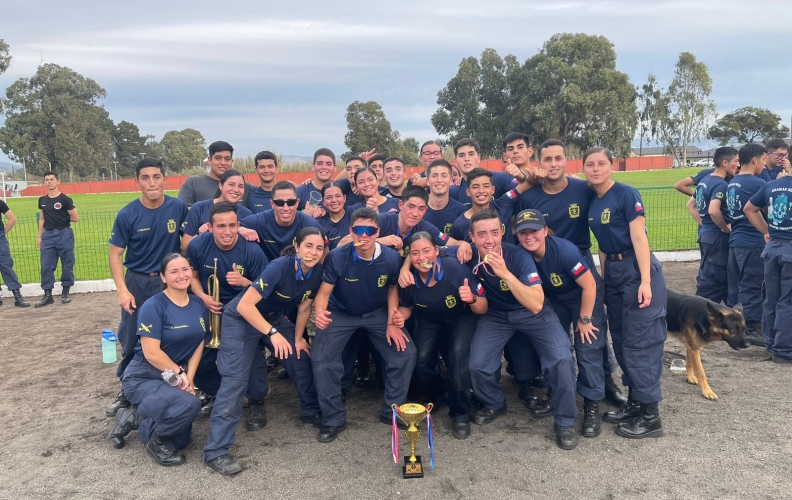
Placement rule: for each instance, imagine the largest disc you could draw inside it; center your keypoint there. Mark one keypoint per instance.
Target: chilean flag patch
(479, 290)
(512, 194)
(578, 269)
(638, 206)
(533, 278)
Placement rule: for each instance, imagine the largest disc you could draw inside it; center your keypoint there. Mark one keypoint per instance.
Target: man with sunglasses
(277, 228)
(777, 159)
(359, 291)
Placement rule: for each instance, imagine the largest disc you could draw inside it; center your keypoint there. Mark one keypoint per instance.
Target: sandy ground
(55, 389)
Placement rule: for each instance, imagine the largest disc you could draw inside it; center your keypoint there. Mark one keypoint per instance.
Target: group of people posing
(464, 271)
(744, 210)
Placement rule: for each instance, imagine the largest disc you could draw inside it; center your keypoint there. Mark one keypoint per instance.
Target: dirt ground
(55, 388)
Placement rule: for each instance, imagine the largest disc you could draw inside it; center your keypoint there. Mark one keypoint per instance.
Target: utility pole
(115, 165)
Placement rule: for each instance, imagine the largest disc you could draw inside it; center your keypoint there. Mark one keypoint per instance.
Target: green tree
(368, 128)
(648, 99)
(685, 110)
(130, 147)
(459, 111)
(5, 56)
(54, 122)
(748, 124)
(183, 149)
(407, 150)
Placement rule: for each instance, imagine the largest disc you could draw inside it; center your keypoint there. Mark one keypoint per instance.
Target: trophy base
(412, 470)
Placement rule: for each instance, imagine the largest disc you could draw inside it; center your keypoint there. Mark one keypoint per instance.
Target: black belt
(620, 256)
(783, 242)
(57, 230)
(142, 274)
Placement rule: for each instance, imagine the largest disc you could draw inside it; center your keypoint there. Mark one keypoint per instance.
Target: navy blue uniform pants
(746, 279)
(328, 367)
(638, 334)
(7, 264)
(166, 411)
(457, 332)
(549, 340)
(591, 375)
(608, 358)
(142, 287)
(57, 245)
(776, 325)
(712, 282)
(243, 370)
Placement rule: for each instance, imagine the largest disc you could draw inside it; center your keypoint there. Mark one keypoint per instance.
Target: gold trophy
(412, 414)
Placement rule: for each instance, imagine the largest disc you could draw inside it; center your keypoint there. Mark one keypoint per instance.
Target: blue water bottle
(108, 346)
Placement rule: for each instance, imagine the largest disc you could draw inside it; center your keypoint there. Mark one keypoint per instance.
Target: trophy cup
(412, 414)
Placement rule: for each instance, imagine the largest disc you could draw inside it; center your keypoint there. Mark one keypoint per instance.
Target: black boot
(206, 409)
(46, 300)
(19, 301)
(613, 394)
(753, 332)
(647, 424)
(258, 416)
(127, 420)
(163, 451)
(566, 437)
(627, 412)
(591, 419)
(527, 395)
(544, 407)
(120, 402)
(65, 296)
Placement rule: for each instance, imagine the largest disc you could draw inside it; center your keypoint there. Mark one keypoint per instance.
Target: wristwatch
(586, 320)
(272, 332)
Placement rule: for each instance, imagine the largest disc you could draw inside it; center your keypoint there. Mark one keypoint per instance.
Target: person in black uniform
(288, 281)
(635, 293)
(576, 294)
(147, 229)
(359, 291)
(239, 262)
(6, 262)
(56, 240)
(171, 332)
(446, 299)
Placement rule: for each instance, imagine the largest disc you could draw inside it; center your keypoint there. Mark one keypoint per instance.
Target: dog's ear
(738, 308)
(714, 313)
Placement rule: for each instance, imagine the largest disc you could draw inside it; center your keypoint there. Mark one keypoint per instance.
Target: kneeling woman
(288, 282)
(635, 293)
(172, 328)
(576, 295)
(447, 309)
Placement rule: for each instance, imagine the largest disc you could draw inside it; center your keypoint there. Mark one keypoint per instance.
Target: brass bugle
(213, 289)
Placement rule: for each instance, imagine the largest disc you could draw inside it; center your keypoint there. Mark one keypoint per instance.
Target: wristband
(181, 370)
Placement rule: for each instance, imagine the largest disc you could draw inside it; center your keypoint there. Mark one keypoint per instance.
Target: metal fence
(669, 226)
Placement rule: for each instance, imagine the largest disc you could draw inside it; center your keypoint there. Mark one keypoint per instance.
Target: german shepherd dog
(698, 321)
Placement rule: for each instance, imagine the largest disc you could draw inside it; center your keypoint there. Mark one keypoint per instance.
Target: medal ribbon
(430, 435)
(300, 275)
(395, 438)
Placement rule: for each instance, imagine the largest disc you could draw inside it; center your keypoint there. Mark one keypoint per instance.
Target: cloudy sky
(279, 75)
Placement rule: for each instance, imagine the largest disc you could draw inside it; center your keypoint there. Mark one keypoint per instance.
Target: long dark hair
(291, 250)
(425, 235)
(167, 260)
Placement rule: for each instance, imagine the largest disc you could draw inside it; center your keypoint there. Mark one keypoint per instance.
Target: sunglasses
(365, 230)
(280, 203)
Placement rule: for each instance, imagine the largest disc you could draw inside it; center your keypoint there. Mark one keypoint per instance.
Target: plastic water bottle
(171, 378)
(108, 346)
(678, 366)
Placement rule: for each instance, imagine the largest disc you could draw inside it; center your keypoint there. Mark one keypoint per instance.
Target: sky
(280, 75)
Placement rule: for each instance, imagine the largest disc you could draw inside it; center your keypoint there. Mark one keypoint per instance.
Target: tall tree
(183, 149)
(129, 145)
(459, 108)
(648, 98)
(5, 56)
(54, 122)
(685, 110)
(407, 150)
(367, 127)
(748, 124)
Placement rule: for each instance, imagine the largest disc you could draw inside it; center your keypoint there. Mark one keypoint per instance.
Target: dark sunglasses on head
(280, 203)
(365, 230)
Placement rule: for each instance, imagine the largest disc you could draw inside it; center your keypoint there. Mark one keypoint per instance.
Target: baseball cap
(530, 219)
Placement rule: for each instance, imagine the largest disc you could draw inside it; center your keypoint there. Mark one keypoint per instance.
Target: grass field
(670, 226)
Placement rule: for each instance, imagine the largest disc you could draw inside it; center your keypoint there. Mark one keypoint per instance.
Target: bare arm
(125, 299)
(682, 186)
(185, 241)
(156, 356)
(693, 211)
(11, 221)
(641, 246)
(40, 230)
(73, 216)
(717, 216)
(756, 219)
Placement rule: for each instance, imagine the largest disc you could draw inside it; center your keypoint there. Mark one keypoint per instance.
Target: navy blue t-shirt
(280, 289)
(610, 217)
(770, 174)
(566, 213)
(351, 197)
(741, 188)
(389, 205)
(711, 187)
(199, 215)
(304, 194)
(272, 237)
(180, 330)
(777, 197)
(699, 176)
(561, 266)
(503, 182)
(389, 225)
(259, 200)
(360, 287)
(443, 297)
(334, 231)
(247, 255)
(444, 218)
(148, 234)
(503, 206)
(499, 295)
